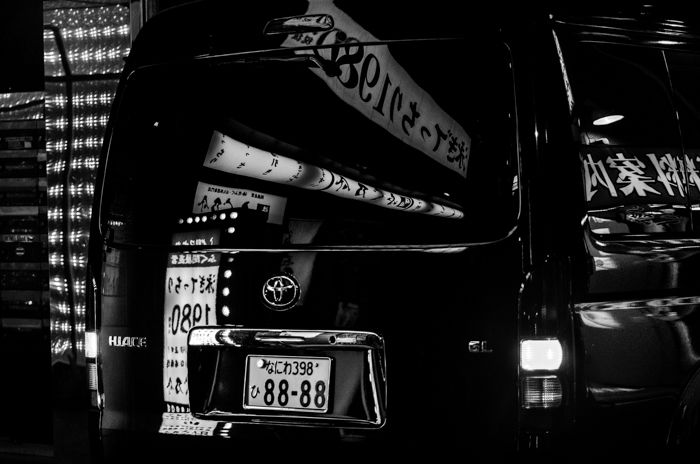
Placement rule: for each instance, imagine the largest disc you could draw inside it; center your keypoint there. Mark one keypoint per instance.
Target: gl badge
(281, 292)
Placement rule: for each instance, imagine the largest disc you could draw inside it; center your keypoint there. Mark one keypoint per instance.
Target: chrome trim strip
(375, 393)
(239, 337)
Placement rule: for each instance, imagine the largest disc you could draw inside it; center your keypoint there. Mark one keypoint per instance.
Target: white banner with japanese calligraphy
(370, 80)
(615, 176)
(230, 155)
(213, 198)
(190, 301)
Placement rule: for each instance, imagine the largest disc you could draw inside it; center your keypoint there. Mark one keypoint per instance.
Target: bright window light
(541, 354)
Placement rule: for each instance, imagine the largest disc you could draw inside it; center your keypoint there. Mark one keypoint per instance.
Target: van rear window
(354, 144)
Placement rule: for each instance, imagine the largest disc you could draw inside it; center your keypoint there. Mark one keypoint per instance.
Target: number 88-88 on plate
(287, 383)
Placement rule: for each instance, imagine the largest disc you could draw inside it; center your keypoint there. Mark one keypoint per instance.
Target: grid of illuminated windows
(21, 105)
(96, 40)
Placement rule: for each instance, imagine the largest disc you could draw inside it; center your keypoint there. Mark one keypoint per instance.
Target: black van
(354, 224)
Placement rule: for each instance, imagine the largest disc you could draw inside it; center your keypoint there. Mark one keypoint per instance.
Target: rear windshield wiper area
(331, 68)
(202, 249)
(304, 55)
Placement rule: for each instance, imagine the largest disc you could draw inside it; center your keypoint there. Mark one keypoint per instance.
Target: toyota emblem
(281, 292)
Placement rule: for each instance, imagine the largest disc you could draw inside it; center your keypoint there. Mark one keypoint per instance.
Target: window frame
(131, 74)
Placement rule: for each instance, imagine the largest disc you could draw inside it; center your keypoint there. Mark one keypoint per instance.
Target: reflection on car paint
(687, 304)
(615, 173)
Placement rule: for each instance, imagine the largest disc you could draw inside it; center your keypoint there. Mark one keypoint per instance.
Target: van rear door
(289, 229)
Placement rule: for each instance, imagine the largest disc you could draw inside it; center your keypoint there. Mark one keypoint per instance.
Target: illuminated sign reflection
(190, 301)
(229, 155)
(214, 198)
(369, 79)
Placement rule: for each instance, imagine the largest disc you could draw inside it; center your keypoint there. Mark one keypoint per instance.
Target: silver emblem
(281, 292)
(479, 346)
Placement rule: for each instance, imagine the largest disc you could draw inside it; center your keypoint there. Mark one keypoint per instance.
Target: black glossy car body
(402, 199)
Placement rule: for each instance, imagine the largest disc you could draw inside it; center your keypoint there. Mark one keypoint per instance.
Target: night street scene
(349, 230)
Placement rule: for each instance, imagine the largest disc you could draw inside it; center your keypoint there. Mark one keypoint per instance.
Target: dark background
(21, 46)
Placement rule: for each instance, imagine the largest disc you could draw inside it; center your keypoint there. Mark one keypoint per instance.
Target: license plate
(287, 383)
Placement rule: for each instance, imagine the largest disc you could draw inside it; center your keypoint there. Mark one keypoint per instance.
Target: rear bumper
(183, 438)
(268, 442)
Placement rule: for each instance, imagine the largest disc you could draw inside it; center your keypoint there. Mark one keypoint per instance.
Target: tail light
(540, 354)
(541, 392)
(91, 343)
(539, 359)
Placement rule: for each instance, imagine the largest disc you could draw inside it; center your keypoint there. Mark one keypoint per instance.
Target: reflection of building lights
(63, 308)
(55, 191)
(227, 273)
(225, 311)
(222, 216)
(55, 259)
(95, 40)
(79, 287)
(189, 220)
(225, 291)
(78, 260)
(77, 236)
(233, 215)
(204, 219)
(231, 230)
(197, 219)
(55, 237)
(55, 214)
(58, 284)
